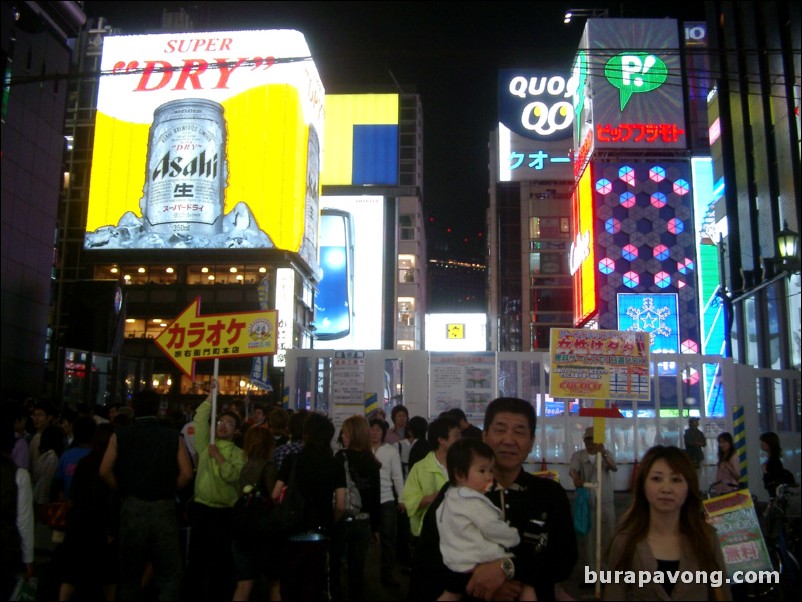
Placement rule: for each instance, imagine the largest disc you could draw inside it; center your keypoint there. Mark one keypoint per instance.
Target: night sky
(448, 52)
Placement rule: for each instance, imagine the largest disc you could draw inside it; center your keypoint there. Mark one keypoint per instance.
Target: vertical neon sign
(583, 257)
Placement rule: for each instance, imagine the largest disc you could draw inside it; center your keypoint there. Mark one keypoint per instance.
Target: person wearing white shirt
(392, 486)
(583, 470)
(17, 516)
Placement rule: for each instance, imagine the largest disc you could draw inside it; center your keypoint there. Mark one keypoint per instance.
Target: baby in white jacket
(471, 528)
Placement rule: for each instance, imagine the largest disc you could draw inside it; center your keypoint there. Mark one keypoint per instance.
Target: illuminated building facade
(685, 171)
(529, 238)
(137, 255)
(574, 241)
(754, 131)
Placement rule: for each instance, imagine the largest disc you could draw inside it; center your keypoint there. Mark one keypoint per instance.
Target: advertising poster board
(348, 385)
(599, 364)
(206, 141)
(462, 380)
(734, 518)
(349, 299)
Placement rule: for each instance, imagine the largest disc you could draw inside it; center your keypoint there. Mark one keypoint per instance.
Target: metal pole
(724, 295)
(213, 425)
(598, 520)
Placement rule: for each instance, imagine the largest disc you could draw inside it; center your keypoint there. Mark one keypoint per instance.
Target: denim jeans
(149, 531)
(350, 539)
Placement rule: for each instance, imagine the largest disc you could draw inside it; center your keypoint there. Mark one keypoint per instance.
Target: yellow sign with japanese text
(736, 523)
(192, 337)
(599, 364)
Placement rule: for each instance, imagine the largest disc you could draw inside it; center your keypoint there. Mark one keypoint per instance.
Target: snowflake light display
(649, 318)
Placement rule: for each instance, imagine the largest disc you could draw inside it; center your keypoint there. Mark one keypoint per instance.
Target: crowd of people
(150, 505)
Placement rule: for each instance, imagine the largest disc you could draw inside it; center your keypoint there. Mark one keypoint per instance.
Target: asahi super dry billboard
(207, 140)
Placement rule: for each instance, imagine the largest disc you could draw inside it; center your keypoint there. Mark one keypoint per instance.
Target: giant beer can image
(186, 170)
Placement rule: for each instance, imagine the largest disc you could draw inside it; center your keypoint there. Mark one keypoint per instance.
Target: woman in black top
(303, 571)
(774, 473)
(254, 556)
(361, 522)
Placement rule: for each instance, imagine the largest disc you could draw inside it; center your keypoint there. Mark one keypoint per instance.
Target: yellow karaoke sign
(192, 337)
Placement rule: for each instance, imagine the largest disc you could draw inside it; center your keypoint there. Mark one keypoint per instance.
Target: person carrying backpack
(360, 525)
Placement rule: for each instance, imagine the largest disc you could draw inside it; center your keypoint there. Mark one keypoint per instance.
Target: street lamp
(788, 242)
(585, 12)
(725, 299)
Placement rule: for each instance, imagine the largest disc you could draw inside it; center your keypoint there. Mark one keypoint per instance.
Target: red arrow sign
(611, 412)
(192, 337)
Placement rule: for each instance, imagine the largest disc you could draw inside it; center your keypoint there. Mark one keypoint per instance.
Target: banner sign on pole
(192, 337)
(599, 364)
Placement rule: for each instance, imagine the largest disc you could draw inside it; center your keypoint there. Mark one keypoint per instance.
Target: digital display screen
(333, 304)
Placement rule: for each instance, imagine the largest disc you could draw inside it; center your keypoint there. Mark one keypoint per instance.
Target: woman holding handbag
(256, 554)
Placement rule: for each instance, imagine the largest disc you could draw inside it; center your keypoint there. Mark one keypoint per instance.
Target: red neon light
(639, 132)
(585, 275)
(584, 152)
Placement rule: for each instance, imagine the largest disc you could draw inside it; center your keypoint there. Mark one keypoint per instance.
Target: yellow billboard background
(343, 112)
(266, 152)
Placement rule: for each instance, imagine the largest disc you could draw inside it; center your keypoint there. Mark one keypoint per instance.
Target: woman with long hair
(353, 533)
(319, 480)
(254, 556)
(728, 471)
(774, 472)
(664, 530)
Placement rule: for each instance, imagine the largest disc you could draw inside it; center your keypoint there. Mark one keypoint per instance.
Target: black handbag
(251, 513)
(287, 516)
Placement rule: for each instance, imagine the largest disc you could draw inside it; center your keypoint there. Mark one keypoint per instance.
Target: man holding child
(538, 508)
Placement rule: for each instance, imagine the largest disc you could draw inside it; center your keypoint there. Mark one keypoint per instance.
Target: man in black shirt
(537, 507)
(148, 463)
(466, 429)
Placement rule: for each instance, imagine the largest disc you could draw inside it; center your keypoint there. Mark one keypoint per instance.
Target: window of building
(140, 328)
(406, 225)
(549, 228)
(552, 300)
(162, 383)
(548, 263)
(406, 311)
(406, 268)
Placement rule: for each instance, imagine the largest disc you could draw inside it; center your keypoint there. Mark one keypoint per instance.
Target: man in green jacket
(210, 571)
(430, 474)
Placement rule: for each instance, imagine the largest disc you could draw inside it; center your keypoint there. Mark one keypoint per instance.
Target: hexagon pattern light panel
(649, 252)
